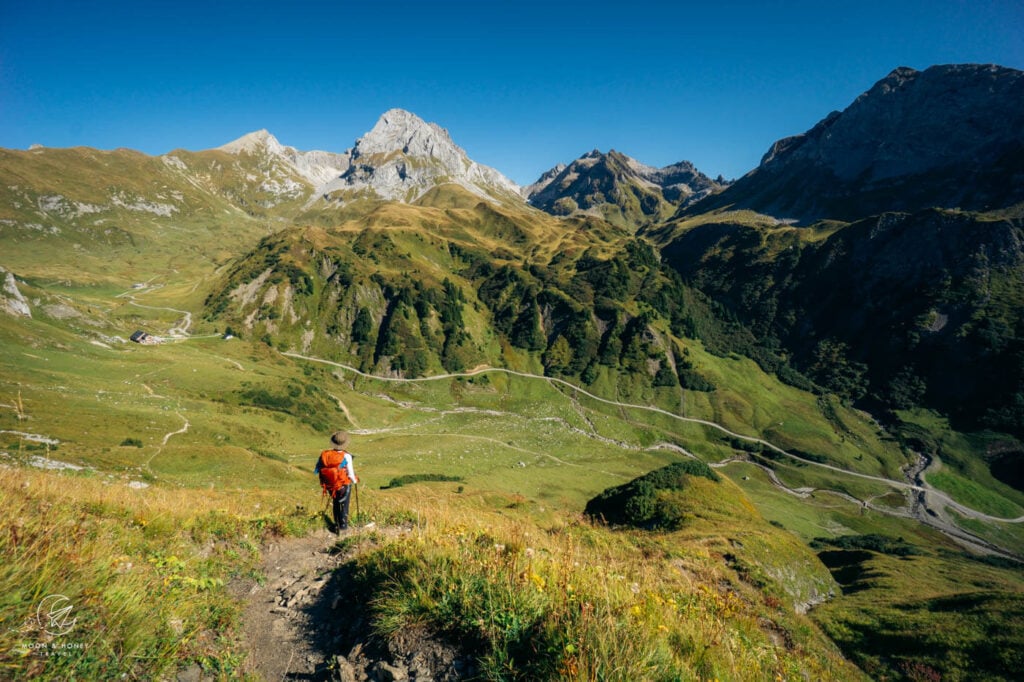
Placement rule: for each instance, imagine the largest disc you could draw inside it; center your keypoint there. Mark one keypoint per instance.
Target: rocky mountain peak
(403, 156)
(258, 140)
(618, 187)
(400, 130)
(897, 77)
(317, 167)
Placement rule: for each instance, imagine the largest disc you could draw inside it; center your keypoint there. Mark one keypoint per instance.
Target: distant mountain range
(949, 136)
(403, 157)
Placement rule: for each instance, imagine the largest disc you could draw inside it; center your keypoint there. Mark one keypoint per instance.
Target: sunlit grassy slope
(146, 572)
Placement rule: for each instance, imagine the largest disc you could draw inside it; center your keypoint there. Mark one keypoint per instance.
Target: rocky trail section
(305, 621)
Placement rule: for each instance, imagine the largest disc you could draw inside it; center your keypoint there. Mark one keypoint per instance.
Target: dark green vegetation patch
(399, 481)
(647, 501)
(872, 542)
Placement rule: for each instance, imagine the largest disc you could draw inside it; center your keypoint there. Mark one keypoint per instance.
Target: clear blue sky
(521, 85)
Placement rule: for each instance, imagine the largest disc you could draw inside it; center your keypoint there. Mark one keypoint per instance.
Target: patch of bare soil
(306, 622)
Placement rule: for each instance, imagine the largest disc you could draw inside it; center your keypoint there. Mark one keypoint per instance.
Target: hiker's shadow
(328, 521)
(339, 620)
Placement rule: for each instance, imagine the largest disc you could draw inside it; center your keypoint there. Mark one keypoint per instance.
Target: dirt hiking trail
(305, 621)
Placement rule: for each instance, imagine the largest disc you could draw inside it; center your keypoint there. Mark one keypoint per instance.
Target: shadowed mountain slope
(949, 136)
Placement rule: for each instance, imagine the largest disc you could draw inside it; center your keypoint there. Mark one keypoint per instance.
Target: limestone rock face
(12, 301)
(403, 156)
(400, 159)
(950, 136)
(317, 167)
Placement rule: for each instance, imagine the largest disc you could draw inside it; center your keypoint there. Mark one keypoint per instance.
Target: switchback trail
(917, 486)
(179, 330)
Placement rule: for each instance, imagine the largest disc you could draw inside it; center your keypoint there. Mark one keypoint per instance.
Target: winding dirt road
(927, 504)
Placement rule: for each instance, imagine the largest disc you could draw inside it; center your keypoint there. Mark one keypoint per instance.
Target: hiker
(337, 477)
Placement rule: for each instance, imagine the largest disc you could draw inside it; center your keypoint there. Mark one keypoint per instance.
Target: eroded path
(306, 621)
(296, 571)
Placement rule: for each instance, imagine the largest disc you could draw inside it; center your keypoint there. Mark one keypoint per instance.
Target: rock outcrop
(400, 159)
(318, 167)
(12, 301)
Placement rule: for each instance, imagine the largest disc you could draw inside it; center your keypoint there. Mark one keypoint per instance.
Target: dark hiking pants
(340, 506)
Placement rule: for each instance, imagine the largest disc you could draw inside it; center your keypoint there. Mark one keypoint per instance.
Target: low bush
(872, 542)
(407, 479)
(647, 502)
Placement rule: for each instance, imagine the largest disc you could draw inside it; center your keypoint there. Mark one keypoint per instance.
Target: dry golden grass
(144, 571)
(551, 596)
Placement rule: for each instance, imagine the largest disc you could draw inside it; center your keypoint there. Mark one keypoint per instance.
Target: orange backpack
(333, 476)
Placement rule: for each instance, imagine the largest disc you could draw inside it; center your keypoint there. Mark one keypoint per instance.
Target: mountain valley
(623, 423)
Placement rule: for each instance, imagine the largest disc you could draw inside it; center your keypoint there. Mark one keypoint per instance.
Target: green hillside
(898, 314)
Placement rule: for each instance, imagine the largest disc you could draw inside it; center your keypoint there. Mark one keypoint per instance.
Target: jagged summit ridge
(912, 121)
(399, 159)
(401, 130)
(618, 187)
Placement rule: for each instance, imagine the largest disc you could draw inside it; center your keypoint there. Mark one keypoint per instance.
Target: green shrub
(872, 542)
(648, 501)
(399, 481)
(693, 381)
